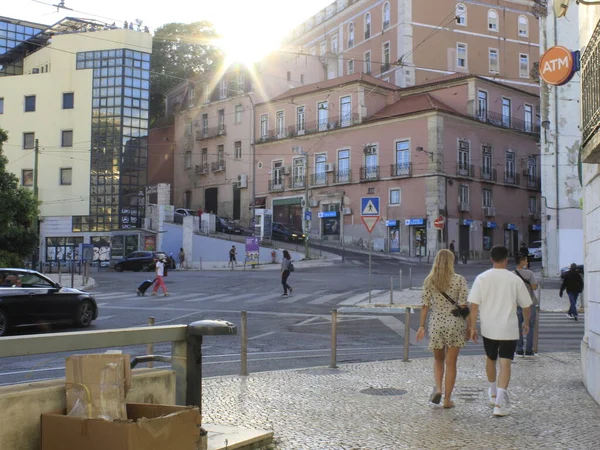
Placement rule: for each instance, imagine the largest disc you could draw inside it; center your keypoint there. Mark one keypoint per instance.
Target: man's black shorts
(504, 349)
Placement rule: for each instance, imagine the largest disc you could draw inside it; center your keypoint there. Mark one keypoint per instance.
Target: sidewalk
(384, 405)
(65, 281)
(224, 265)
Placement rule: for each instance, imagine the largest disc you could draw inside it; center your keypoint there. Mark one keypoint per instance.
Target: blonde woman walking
(445, 294)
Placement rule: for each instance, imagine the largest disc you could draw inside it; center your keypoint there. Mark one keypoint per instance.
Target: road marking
(398, 327)
(235, 298)
(356, 262)
(101, 304)
(104, 318)
(171, 297)
(113, 296)
(294, 298)
(175, 318)
(261, 335)
(359, 297)
(325, 298)
(263, 299)
(203, 299)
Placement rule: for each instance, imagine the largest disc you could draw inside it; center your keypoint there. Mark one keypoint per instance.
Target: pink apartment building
(461, 147)
(409, 42)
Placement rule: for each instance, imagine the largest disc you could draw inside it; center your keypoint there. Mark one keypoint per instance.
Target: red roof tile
(410, 105)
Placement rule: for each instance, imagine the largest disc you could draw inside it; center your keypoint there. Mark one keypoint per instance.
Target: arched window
(386, 15)
(523, 26)
(492, 20)
(367, 26)
(461, 14)
(351, 35)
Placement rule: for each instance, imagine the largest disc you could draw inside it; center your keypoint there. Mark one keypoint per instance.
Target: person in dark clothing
(285, 272)
(452, 248)
(524, 251)
(573, 284)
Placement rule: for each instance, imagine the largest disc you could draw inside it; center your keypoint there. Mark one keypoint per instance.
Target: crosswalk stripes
(203, 299)
(360, 297)
(327, 298)
(294, 298)
(261, 298)
(236, 298)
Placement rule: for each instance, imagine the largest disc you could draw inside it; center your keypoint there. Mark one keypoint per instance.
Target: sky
(236, 20)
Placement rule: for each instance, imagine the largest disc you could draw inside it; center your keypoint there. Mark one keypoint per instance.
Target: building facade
(409, 42)
(76, 95)
(448, 148)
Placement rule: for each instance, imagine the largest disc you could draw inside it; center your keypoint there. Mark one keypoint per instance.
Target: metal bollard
(391, 290)
(59, 274)
(410, 278)
(244, 355)
(334, 313)
(406, 334)
(150, 347)
(400, 280)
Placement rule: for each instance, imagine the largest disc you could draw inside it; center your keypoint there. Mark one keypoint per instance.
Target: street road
(284, 333)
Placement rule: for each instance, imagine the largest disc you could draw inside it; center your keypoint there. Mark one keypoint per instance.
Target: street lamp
(306, 208)
(430, 154)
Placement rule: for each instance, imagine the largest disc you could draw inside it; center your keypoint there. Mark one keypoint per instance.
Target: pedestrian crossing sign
(369, 206)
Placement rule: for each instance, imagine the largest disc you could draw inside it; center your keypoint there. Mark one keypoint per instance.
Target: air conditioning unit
(464, 207)
(242, 181)
(287, 170)
(329, 167)
(370, 149)
(489, 211)
(346, 211)
(313, 203)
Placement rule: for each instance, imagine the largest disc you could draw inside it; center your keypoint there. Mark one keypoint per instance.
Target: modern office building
(75, 95)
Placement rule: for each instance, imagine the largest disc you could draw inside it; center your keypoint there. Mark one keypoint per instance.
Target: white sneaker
(491, 397)
(504, 409)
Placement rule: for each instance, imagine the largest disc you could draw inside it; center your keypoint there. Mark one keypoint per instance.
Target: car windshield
(537, 244)
(34, 280)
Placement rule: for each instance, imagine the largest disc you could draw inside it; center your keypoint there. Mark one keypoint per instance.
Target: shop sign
(558, 65)
(490, 225)
(414, 222)
(391, 223)
(511, 226)
(536, 228)
(328, 214)
(467, 222)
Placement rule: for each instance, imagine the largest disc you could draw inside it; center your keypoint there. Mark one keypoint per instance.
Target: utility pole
(306, 205)
(36, 196)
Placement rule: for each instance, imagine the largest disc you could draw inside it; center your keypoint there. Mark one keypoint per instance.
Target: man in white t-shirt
(495, 295)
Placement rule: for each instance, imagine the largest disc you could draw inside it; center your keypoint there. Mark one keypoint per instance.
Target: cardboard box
(83, 375)
(151, 427)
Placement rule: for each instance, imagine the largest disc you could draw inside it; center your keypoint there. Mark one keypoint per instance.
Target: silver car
(180, 213)
(535, 250)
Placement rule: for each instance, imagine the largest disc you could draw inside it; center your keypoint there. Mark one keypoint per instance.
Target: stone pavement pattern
(321, 408)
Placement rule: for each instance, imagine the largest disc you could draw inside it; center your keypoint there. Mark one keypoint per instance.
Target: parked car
(565, 269)
(535, 250)
(227, 226)
(32, 298)
(285, 232)
(137, 261)
(180, 213)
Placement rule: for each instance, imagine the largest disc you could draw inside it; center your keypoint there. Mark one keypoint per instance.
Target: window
(320, 174)
(280, 124)
(510, 168)
(264, 125)
(531, 169)
(493, 60)
(27, 177)
(532, 205)
(223, 89)
(346, 111)
(29, 103)
(386, 57)
(334, 44)
(463, 194)
(461, 15)
(67, 138)
(300, 119)
(188, 128)
(350, 68)
(482, 105)
(367, 26)
(523, 65)
(394, 196)
(187, 162)
(523, 26)
(386, 16)
(205, 125)
(368, 63)
(343, 167)
(298, 172)
(68, 100)
(237, 149)
(28, 140)
(323, 47)
(461, 55)
(492, 20)
(1, 106)
(371, 163)
(66, 176)
(221, 113)
(323, 114)
(528, 125)
(351, 35)
(464, 158)
(192, 98)
(402, 159)
(506, 112)
(487, 198)
(277, 175)
(206, 93)
(239, 110)
(486, 162)
(241, 87)
(221, 156)
(204, 156)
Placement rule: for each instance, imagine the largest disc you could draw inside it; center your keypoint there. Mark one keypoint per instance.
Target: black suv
(137, 261)
(284, 232)
(227, 226)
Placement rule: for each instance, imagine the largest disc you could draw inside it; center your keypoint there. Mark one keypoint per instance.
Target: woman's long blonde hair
(442, 271)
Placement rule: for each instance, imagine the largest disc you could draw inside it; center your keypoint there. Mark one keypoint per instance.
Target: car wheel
(85, 314)
(146, 267)
(3, 324)
(119, 268)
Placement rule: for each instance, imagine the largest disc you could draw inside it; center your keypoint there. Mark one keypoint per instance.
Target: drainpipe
(556, 165)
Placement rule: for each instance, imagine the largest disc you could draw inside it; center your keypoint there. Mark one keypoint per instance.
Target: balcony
(343, 176)
(385, 67)
(533, 183)
(386, 25)
(465, 170)
(318, 126)
(276, 185)
(401, 170)
(217, 166)
(489, 211)
(500, 120)
(202, 169)
(464, 206)
(209, 133)
(319, 179)
(489, 174)
(514, 179)
(369, 173)
(297, 182)
(590, 98)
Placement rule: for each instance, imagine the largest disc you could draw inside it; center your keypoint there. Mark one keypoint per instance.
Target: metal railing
(465, 170)
(401, 170)
(534, 183)
(590, 87)
(276, 185)
(217, 166)
(507, 121)
(321, 125)
(343, 176)
(211, 132)
(319, 179)
(512, 178)
(488, 174)
(385, 67)
(297, 182)
(369, 173)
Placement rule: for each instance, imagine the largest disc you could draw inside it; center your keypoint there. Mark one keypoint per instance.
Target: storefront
(393, 227)
(61, 249)
(535, 233)
(511, 238)
(330, 223)
(288, 211)
(488, 235)
(418, 236)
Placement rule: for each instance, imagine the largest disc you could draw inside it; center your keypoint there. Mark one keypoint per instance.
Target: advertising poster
(101, 250)
(252, 251)
(394, 240)
(149, 243)
(331, 226)
(131, 244)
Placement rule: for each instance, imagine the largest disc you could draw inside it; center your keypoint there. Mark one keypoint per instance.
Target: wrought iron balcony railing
(343, 176)
(401, 170)
(276, 185)
(465, 170)
(590, 87)
(512, 178)
(510, 122)
(369, 173)
(489, 174)
(211, 132)
(319, 179)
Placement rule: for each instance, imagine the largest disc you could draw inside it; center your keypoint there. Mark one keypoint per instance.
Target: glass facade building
(119, 148)
(12, 38)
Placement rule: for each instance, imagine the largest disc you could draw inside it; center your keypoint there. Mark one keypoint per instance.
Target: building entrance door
(211, 200)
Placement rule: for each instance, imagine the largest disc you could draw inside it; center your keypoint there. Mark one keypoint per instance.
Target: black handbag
(457, 311)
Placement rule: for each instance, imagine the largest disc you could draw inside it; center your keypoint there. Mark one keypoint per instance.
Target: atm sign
(557, 66)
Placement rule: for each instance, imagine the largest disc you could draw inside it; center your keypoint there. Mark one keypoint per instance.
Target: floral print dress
(446, 330)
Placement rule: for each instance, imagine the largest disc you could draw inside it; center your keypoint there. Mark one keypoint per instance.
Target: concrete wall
(22, 405)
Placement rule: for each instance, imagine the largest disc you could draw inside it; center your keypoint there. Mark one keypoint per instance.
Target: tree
(18, 215)
(179, 51)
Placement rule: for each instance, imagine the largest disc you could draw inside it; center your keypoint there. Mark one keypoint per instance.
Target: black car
(227, 226)
(137, 261)
(27, 297)
(286, 233)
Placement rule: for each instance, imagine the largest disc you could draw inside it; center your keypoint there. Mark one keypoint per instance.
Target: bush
(8, 259)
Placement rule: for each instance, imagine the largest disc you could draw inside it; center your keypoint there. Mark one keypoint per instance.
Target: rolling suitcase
(144, 286)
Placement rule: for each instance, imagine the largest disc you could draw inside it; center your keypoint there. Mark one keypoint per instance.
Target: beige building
(408, 42)
(81, 90)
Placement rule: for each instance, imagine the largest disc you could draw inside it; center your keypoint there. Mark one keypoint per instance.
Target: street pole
(306, 206)
(253, 147)
(36, 196)
(369, 267)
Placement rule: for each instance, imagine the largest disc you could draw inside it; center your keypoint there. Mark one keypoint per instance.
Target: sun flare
(240, 48)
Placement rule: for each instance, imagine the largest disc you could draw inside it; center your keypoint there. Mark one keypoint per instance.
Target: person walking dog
(286, 268)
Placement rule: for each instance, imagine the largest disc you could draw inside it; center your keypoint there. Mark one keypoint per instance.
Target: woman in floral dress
(447, 333)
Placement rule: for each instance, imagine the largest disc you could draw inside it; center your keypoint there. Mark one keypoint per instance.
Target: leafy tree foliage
(18, 213)
(179, 51)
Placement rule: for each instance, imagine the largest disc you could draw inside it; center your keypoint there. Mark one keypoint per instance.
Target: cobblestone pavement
(320, 409)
